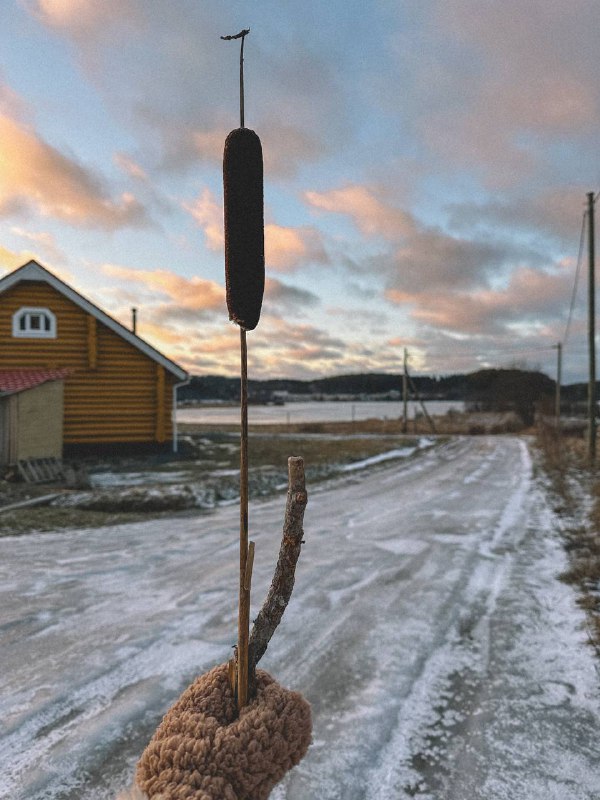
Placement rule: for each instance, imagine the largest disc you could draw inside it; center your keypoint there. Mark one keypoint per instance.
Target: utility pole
(422, 404)
(405, 395)
(558, 382)
(591, 335)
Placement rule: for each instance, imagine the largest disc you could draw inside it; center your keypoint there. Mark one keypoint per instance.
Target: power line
(576, 281)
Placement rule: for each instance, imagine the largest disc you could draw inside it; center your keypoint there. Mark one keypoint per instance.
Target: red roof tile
(17, 380)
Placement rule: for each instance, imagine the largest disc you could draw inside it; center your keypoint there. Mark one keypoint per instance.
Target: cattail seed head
(244, 227)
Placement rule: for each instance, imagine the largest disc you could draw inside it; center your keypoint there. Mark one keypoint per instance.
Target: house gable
(118, 388)
(32, 272)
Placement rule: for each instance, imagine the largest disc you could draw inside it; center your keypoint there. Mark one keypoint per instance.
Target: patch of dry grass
(451, 423)
(320, 449)
(48, 519)
(565, 461)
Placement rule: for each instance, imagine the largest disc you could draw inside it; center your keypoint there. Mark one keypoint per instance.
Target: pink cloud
(33, 174)
(12, 104)
(9, 260)
(208, 215)
(509, 80)
(417, 256)
(83, 17)
(537, 59)
(286, 248)
(209, 144)
(130, 167)
(530, 297)
(194, 293)
(287, 147)
(44, 242)
(371, 216)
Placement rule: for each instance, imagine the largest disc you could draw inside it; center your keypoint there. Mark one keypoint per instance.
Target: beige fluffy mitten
(203, 750)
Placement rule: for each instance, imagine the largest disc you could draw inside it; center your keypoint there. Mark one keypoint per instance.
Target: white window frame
(27, 312)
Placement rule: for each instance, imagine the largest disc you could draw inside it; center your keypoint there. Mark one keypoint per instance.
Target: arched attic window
(34, 323)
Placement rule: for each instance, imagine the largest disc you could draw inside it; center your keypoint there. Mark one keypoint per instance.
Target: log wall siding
(114, 392)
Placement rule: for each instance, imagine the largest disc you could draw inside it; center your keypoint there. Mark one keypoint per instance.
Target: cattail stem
(237, 288)
(244, 593)
(241, 35)
(242, 83)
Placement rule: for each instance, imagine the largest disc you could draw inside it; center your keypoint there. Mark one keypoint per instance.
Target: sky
(426, 170)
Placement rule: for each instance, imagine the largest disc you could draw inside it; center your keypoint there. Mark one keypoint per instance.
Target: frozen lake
(442, 658)
(311, 412)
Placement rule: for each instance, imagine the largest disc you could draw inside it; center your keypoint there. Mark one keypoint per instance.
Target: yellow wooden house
(118, 390)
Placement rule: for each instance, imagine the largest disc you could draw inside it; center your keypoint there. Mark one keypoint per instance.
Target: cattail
(244, 227)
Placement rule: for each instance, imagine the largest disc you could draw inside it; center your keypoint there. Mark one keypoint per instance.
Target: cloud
(285, 147)
(208, 215)
(432, 259)
(297, 338)
(177, 315)
(371, 216)
(184, 143)
(282, 298)
(531, 298)
(34, 175)
(213, 349)
(44, 242)
(12, 104)
(454, 142)
(484, 285)
(286, 248)
(537, 59)
(557, 212)
(415, 256)
(308, 351)
(494, 87)
(84, 18)
(189, 294)
(10, 260)
(282, 347)
(189, 111)
(375, 322)
(130, 167)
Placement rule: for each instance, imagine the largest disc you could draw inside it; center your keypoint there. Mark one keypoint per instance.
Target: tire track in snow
(401, 660)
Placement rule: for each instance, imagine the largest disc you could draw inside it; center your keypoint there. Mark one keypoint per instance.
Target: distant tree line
(520, 390)
(214, 387)
(517, 390)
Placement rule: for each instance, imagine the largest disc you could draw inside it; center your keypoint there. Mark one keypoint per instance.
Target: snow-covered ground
(442, 658)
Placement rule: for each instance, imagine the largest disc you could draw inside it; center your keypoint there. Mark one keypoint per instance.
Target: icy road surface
(441, 657)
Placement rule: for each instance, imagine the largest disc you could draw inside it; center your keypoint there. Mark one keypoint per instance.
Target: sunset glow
(426, 166)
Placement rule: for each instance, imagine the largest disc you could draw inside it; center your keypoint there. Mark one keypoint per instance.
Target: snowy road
(442, 658)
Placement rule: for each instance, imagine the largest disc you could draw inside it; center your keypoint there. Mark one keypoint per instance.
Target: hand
(203, 750)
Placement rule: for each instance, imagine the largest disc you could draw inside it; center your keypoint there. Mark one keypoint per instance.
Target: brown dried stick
(282, 584)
